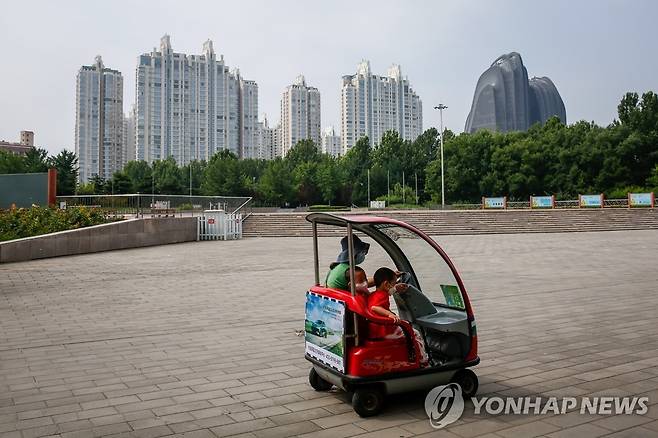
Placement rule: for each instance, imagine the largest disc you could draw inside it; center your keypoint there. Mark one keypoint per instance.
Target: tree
(140, 175)
(166, 175)
(652, 181)
(275, 186)
(98, 183)
(66, 164)
(35, 161)
(222, 175)
(389, 158)
(305, 183)
(119, 184)
(86, 189)
(639, 114)
(11, 163)
(328, 179)
(355, 164)
(197, 170)
(305, 151)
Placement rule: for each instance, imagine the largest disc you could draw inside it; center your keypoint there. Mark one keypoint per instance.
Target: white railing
(219, 225)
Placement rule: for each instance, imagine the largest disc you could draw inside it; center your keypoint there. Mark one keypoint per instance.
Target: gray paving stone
(157, 341)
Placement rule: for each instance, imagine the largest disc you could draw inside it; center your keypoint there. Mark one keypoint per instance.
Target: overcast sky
(594, 51)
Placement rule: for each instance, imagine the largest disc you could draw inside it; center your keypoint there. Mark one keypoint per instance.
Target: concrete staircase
(436, 222)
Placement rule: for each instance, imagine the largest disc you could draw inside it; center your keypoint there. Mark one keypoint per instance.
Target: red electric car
(435, 313)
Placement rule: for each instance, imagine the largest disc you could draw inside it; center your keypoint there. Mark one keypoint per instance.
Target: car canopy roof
(357, 219)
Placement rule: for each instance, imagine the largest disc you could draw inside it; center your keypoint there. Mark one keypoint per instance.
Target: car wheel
(317, 382)
(468, 382)
(368, 401)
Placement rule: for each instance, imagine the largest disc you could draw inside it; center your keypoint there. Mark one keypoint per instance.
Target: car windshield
(435, 278)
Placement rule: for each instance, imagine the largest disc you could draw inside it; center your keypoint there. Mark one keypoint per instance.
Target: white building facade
(191, 106)
(128, 149)
(248, 119)
(98, 121)
(300, 114)
(331, 144)
(372, 105)
(269, 141)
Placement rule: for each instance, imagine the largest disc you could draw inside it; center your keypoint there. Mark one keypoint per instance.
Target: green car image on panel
(317, 327)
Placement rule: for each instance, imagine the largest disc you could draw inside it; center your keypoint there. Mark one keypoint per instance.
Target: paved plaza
(201, 339)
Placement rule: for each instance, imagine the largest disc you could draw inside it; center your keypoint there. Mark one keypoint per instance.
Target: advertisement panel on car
(324, 329)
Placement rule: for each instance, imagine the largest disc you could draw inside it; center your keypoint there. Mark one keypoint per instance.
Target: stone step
(471, 221)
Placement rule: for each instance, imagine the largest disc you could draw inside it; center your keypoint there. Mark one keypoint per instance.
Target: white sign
(161, 205)
(445, 404)
(377, 204)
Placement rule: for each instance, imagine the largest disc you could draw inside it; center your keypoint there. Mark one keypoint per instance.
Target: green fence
(23, 190)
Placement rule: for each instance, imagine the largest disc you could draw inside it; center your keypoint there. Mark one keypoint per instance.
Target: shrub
(328, 208)
(25, 222)
(622, 192)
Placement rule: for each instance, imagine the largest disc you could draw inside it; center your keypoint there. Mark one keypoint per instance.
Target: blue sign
(541, 202)
(494, 202)
(640, 199)
(591, 200)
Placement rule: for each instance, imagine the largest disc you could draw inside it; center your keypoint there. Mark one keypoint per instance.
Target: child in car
(360, 281)
(386, 282)
(379, 302)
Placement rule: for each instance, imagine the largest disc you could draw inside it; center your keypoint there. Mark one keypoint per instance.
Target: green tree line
(565, 160)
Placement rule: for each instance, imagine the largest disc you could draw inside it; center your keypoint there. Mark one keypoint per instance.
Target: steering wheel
(405, 277)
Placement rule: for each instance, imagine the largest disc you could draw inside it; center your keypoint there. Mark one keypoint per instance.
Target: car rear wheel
(468, 382)
(317, 382)
(368, 401)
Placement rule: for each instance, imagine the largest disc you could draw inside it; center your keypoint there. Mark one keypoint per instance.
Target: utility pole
(403, 186)
(190, 181)
(441, 107)
(388, 185)
(416, 175)
(368, 188)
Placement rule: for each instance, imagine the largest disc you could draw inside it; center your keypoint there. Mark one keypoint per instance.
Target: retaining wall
(132, 233)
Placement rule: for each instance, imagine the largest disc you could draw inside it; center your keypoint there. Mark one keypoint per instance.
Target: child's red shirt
(379, 298)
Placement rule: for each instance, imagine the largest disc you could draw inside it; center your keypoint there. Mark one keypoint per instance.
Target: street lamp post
(368, 188)
(441, 107)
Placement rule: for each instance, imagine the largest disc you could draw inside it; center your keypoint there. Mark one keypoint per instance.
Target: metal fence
(141, 205)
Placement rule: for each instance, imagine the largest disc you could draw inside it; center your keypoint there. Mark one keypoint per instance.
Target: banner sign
(324, 330)
(590, 200)
(542, 201)
(641, 199)
(500, 202)
(377, 204)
